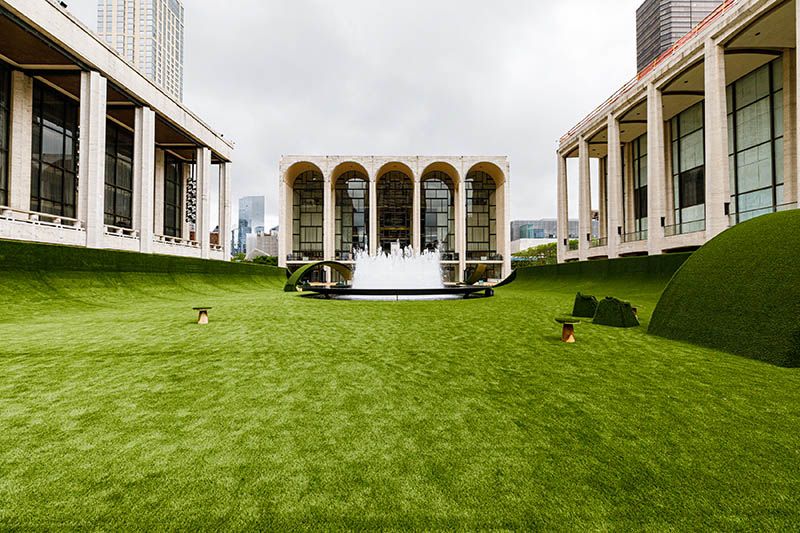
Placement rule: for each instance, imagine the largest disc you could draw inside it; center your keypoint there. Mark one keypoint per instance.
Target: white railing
(126, 233)
(40, 219)
(175, 241)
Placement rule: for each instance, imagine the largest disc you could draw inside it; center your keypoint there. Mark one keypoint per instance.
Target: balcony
(40, 219)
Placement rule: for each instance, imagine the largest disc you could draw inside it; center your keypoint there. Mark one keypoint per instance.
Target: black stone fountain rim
(447, 291)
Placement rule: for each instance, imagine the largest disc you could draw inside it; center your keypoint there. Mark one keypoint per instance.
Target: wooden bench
(568, 329)
(202, 317)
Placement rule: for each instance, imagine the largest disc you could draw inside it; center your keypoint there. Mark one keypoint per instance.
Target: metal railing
(635, 236)
(742, 216)
(489, 257)
(598, 243)
(449, 256)
(693, 226)
(305, 256)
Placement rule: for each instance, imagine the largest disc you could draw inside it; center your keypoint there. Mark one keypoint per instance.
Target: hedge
(615, 313)
(740, 293)
(643, 267)
(32, 257)
(585, 306)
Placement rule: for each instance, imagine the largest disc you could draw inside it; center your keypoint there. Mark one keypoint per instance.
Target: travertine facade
(702, 139)
(96, 154)
(331, 207)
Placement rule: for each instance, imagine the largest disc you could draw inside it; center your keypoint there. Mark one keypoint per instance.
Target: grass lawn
(118, 412)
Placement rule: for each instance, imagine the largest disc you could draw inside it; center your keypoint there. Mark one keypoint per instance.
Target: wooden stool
(202, 317)
(568, 329)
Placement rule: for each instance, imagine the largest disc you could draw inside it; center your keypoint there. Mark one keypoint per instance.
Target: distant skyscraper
(251, 218)
(149, 34)
(660, 23)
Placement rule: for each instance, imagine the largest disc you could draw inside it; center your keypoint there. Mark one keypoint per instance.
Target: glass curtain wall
(755, 142)
(352, 215)
(640, 187)
(5, 115)
(481, 216)
(688, 170)
(119, 176)
(307, 215)
(173, 196)
(437, 213)
(395, 210)
(54, 152)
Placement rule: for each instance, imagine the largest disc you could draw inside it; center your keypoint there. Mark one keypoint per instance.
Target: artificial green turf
(740, 292)
(118, 412)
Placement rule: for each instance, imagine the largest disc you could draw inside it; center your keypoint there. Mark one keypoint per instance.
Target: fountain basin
(444, 293)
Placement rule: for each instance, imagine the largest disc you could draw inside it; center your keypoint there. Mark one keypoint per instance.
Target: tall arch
(483, 220)
(351, 193)
(395, 188)
(307, 211)
(438, 193)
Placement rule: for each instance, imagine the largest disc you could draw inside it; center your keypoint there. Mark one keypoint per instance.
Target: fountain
(401, 274)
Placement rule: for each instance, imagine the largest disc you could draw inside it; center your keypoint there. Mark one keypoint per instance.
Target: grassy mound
(118, 412)
(615, 313)
(740, 293)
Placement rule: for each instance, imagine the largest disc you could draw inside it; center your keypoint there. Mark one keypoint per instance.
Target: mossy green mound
(615, 313)
(585, 306)
(740, 293)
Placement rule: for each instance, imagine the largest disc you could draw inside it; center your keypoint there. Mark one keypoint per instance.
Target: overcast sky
(407, 77)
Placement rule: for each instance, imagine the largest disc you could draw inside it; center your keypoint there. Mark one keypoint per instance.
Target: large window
(688, 169)
(5, 98)
(395, 210)
(481, 216)
(640, 184)
(352, 214)
(173, 196)
(307, 214)
(755, 141)
(438, 221)
(54, 152)
(119, 176)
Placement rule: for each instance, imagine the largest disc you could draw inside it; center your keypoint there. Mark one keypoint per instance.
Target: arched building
(332, 207)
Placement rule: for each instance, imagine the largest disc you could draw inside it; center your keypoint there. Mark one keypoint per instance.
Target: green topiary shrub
(615, 313)
(740, 293)
(585, 306)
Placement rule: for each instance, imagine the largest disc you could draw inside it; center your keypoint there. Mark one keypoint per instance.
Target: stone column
(716, 131)
(504, 232)
(158, 193)
(461, 225)
(790, 146)
(225, 209)
(92, 162)
(584, 200)
(328, 229)
(627, 187)
(602, 209)
(416, 214)
(562, 226)
(614, 187)
(285, 220)
(374, 245)
(21, 130)
(203, 201)
(144, 168)
(656, 169)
